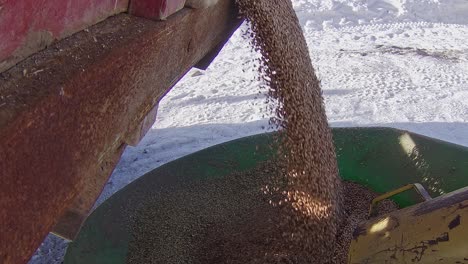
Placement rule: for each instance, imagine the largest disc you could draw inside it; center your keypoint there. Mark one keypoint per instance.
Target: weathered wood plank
(66, 112)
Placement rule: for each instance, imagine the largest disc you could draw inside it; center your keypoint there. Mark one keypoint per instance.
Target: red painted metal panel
(27, 26)
(155, 9)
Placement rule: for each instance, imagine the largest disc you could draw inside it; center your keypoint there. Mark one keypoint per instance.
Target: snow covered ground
(395, 63)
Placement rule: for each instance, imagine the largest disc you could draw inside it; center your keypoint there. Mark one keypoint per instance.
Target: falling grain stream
(293, 209)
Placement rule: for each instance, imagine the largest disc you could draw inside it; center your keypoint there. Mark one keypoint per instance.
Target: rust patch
(59, 134)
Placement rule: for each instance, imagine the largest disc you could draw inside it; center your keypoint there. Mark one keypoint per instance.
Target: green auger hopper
(382, 159)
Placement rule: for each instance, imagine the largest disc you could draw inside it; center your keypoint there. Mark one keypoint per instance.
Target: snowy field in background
(395, 63)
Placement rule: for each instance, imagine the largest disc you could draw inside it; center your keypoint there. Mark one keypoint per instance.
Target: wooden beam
(66, 112)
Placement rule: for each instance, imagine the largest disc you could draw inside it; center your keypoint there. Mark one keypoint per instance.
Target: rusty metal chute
(67, 112)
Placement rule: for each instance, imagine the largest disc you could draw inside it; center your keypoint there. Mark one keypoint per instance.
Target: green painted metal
(380, 158)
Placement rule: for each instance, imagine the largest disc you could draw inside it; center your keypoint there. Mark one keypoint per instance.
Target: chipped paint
(429, 232)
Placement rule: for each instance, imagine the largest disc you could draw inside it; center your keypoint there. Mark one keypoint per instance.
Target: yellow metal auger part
(435, 231)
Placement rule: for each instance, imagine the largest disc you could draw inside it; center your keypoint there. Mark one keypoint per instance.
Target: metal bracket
(417, 186)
